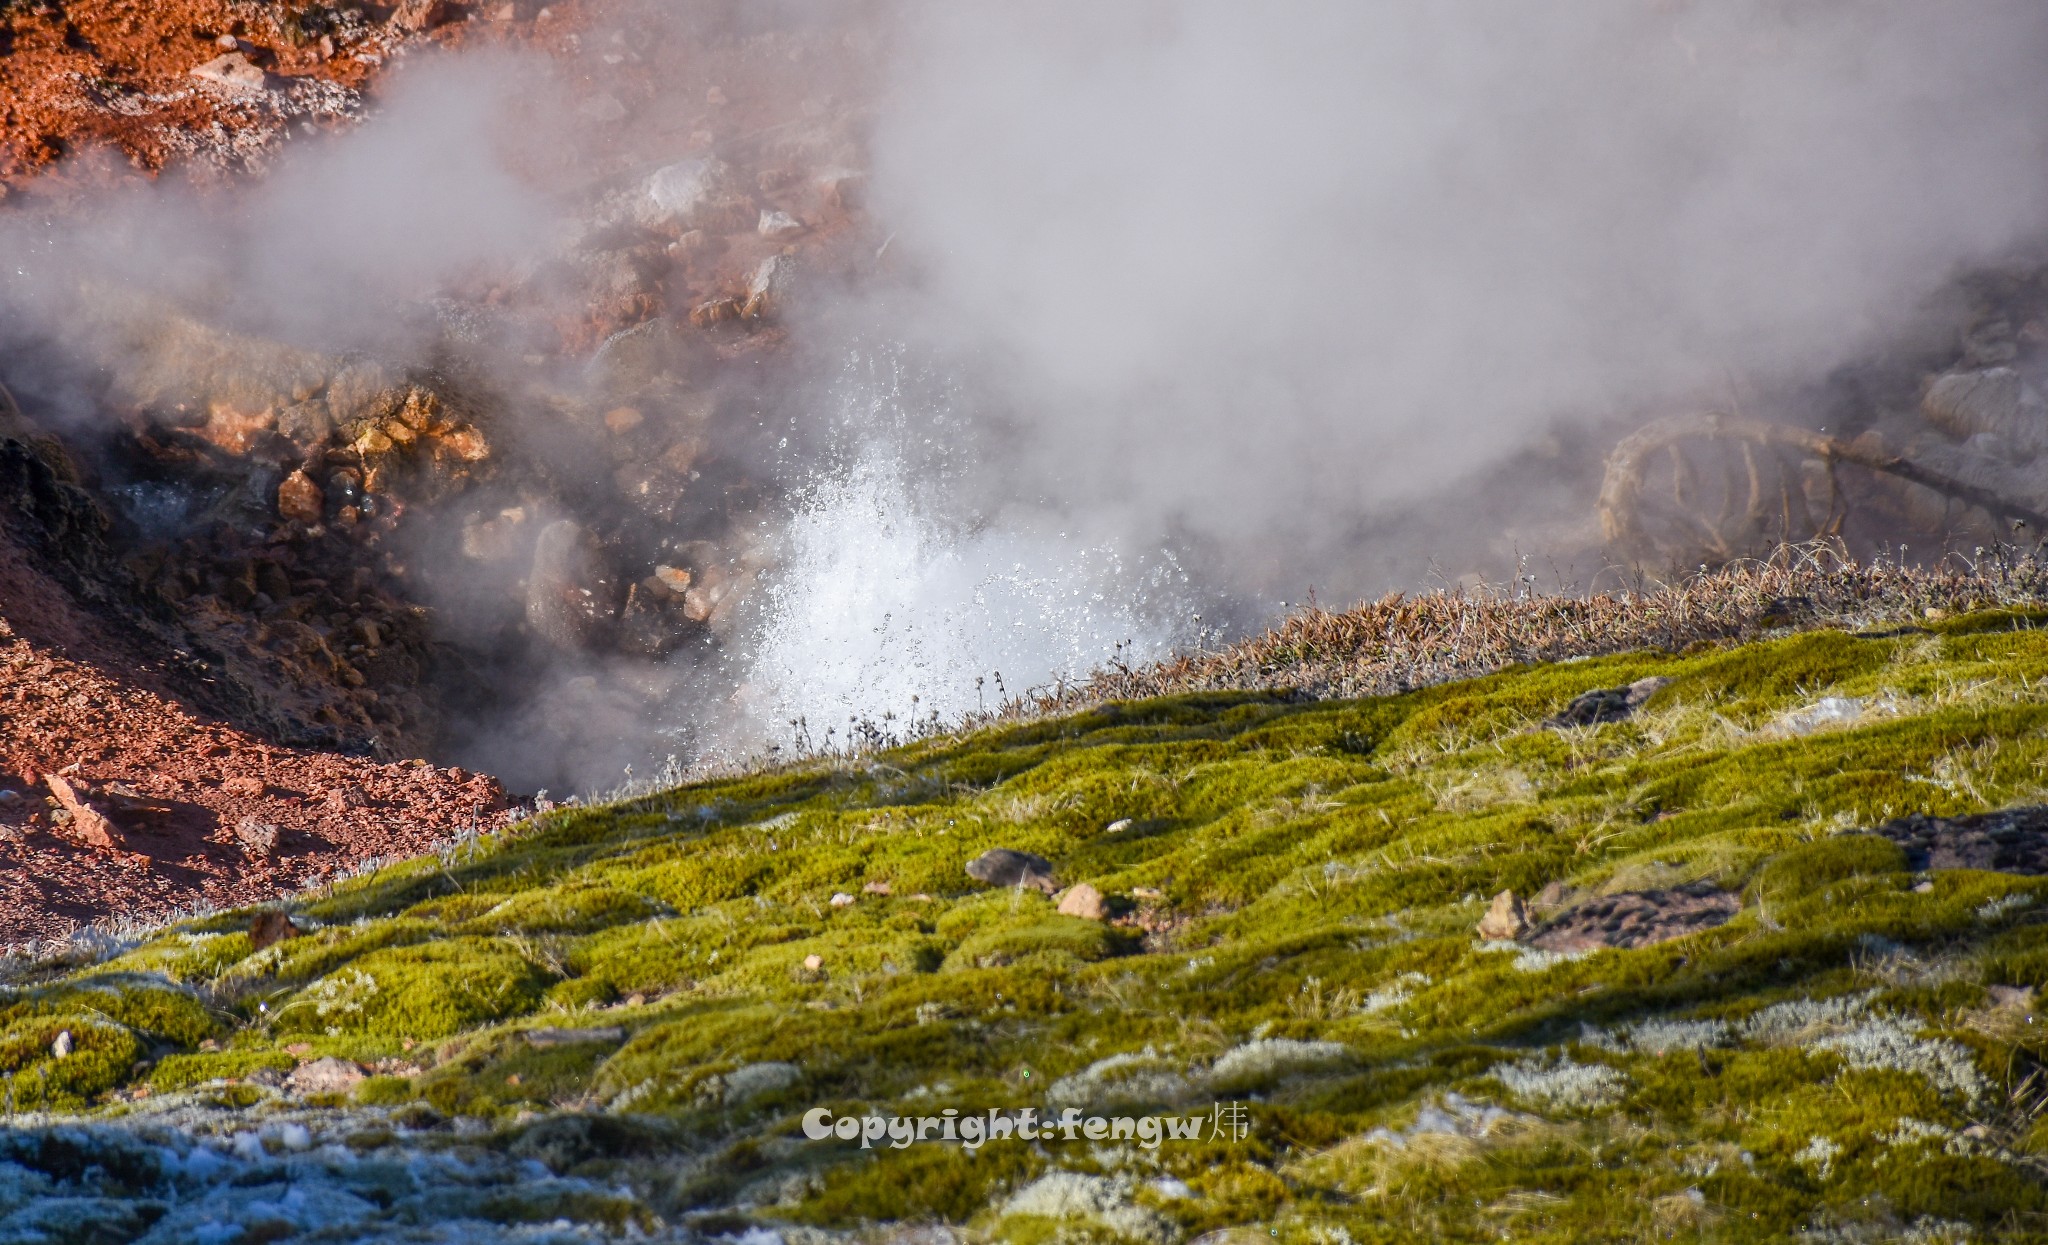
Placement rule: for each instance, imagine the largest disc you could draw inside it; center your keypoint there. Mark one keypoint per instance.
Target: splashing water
(888, 613)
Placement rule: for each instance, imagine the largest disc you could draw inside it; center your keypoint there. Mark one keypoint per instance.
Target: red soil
(74, 694)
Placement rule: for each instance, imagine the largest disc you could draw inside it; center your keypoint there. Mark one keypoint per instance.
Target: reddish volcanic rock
(169, 788)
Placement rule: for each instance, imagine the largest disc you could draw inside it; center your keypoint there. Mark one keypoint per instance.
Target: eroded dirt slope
(205, 813)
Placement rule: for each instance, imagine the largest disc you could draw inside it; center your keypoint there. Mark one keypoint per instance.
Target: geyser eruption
(1210, 306)
(896, 608)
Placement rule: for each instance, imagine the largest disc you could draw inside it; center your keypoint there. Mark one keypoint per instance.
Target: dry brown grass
(1402, 642)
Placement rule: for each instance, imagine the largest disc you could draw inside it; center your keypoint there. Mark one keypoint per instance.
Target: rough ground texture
(2011, 840)
(115, 76)
(96, 704)
(644, 998)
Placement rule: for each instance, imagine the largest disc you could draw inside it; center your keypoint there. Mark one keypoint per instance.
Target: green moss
(1282, 872)
(183, 1071)
(102, 1056)
(422, 992)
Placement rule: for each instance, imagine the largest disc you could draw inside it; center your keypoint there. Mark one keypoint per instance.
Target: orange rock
(1506, 920)
(1083, 901)
(300, 500)
(466, 443)
(88, 825)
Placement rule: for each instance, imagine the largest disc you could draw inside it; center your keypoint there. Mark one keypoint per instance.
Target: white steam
(890, 607)
(1258, 268)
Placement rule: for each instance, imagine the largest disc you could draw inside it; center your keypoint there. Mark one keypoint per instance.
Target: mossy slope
(1294, 888)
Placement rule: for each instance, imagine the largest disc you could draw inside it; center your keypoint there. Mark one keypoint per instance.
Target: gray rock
(1609, 704)
(687, 194)
(572, 596)
(643, 357)
(1997, 401)
(1000, 866)
(307, 423)
(769, 289)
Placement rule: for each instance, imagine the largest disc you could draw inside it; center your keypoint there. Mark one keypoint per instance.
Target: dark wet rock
(1609, 704)
(1000, 866)
(1637, 918)
(2013, 840)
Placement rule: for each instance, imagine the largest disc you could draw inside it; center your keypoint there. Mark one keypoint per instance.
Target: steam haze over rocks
(873, 354)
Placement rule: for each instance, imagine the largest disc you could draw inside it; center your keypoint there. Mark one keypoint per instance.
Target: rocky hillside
(1703, 945)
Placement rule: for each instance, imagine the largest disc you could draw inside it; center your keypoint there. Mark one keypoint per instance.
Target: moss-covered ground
(1293, 888)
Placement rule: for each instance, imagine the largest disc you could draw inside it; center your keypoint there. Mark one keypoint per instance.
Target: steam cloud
(1213, 290)
(1255, 270)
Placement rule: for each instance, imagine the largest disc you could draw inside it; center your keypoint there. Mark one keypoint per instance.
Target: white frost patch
(1802, 1018)
(1266, 1060)
(1884, 1043)
(1658, 1037)
(750, 1081)
(1131, 1077)
(1998, 907)
(1393, 994)
(1819, 1154)
(1828, 711)
(1532, 959)
(1073, 1195)
(1560, 1084)
(1455, 1116)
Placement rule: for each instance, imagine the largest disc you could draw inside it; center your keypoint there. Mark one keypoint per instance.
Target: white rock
(778, 224)
(61, 1048)
(679, 191)
(232, 71)
(840, 899)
